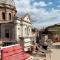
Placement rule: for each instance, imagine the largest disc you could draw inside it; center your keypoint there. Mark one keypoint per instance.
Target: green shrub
(1, 44)
(9, 43)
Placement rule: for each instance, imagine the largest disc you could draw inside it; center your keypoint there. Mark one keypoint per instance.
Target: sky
(43, 13)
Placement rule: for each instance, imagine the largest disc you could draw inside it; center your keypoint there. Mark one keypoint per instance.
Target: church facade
(12, 27)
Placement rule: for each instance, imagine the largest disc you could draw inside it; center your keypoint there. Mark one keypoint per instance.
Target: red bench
(13, 53)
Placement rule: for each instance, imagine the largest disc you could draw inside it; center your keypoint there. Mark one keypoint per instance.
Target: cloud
(22, 5)
(40, 16)
(41, 3)
(46, 18)
(58, 6)
(50, 3)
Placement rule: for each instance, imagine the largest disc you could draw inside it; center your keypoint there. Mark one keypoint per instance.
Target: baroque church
(11, 26)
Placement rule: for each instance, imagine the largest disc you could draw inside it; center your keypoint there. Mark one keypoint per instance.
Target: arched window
(9, 16)
(14, 15)
(26, 31)
(29, 30)
(7, 33)
(3, 15)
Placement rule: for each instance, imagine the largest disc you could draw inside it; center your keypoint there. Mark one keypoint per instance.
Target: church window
(7, 33)
(3, 15)
(9, 16)
(14, 15)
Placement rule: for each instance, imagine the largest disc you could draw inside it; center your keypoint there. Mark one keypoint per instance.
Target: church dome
(8, 2)
(7, 10)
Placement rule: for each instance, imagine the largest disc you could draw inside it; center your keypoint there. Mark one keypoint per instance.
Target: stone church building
(11, 26)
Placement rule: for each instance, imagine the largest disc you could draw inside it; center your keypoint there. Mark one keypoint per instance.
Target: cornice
(26, 21)
(7, 6)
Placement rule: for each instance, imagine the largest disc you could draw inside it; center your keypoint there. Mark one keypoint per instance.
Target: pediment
(27, 18)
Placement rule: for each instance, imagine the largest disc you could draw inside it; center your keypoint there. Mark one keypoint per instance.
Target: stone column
(2, 31)
(17, 30)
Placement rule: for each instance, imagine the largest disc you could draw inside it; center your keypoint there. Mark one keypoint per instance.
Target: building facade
(23, 27)
(12, 27)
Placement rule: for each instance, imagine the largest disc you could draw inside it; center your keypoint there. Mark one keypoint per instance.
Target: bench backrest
(13, 53)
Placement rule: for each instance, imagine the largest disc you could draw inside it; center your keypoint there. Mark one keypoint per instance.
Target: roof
(1, 22)
(9, 2)
(22, 17)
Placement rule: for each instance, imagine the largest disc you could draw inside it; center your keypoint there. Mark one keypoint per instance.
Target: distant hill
(55, 29)
(56, 25)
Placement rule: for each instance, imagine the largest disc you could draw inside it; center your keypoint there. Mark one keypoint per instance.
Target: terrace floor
(53, 54)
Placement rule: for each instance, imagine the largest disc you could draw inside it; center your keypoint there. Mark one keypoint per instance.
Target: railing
(7, 39)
